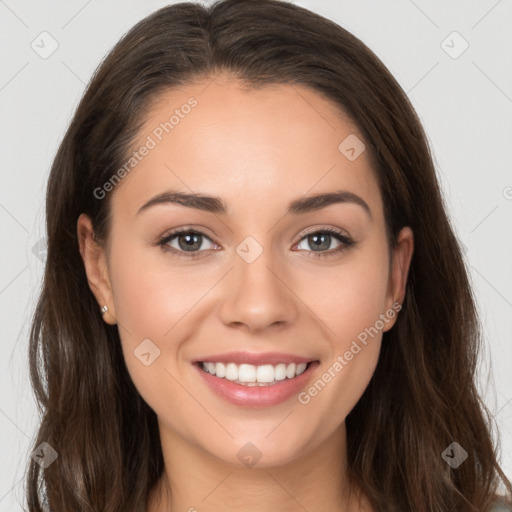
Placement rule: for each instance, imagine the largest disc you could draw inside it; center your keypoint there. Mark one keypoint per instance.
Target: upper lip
(254, 358)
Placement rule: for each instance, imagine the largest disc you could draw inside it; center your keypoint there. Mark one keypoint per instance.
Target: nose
(258, 294)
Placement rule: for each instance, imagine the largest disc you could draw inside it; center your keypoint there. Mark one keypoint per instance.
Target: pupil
(317, 245)
(191, 239)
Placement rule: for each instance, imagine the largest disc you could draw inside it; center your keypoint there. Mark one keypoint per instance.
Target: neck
(195, 481)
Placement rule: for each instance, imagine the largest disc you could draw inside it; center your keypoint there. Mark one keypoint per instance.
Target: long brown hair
(422, 396)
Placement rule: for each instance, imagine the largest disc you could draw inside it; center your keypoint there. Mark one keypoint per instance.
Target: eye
(322, 239)
(187, 242)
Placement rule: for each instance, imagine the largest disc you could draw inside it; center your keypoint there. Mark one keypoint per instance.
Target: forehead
(254, 147)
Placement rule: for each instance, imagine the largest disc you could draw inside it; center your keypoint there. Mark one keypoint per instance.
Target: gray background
(465, 104)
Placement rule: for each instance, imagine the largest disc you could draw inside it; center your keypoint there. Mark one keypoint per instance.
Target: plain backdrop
(452, 58)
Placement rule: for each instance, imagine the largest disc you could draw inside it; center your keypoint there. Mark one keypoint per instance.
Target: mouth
(254, 375)
(256, 386)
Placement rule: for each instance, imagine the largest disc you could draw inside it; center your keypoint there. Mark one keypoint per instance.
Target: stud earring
(104, 309)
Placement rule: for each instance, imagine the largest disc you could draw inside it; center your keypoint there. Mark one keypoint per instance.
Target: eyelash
(345, 240)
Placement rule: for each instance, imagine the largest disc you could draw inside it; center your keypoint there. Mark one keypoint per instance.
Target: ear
(400, 264)
(95, 262)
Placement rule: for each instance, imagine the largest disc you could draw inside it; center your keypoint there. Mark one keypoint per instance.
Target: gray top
(501, 506)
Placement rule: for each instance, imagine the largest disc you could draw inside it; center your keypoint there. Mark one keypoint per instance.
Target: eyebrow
(296, 207)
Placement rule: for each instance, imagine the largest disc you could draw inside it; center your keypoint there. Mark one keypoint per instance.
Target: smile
(255, 386)
(251, 375)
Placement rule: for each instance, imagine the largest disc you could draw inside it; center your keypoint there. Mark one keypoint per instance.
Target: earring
(104, 309)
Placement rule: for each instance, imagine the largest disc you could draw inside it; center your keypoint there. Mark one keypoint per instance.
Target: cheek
(351, 302)
(158, 300)
(350, 297)
(353, 346)
(152, 292)
(339, 385)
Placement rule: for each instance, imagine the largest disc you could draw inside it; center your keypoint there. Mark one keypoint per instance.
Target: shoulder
(501, 506)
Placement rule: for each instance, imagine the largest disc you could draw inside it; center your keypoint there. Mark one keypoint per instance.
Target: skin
(257, 150)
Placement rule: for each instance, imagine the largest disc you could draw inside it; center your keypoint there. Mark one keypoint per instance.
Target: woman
(253, 296)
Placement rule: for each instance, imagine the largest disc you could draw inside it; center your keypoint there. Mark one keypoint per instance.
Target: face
(254, 282)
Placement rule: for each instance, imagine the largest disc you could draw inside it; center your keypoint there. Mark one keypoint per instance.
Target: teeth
(254, 375)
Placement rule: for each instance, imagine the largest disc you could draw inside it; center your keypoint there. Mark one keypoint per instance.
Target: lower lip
(257, 396)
